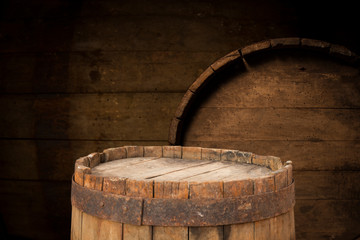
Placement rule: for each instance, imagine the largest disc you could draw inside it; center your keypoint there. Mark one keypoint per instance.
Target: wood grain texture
(42, 41)
(172, 190)
(299, 106)
(93, 182)
(239, 231)
(319, 154)
(109, 229)
(153, 151)
(147, 25)
(177, 170)
(281, 226)
(76, 224)
(106, 38)
(341, 185)
(92, 226)
(101, 229)
(206, 190)
(234, 124)
(50, 159)
(327, 218)
(292, 225)
(233, 189)
(291, 79)
(138, 189)
(114, 185)
(264, 229)
(89, 116)
(102, 71)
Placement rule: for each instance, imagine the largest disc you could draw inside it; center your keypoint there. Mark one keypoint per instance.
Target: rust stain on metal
(212, 212)
(182, 212)
(106, 205)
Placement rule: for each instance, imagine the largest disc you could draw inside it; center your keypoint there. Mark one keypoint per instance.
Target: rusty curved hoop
(182, 212)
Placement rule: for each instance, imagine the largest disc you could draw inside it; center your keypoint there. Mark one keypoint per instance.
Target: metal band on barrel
(182, 212)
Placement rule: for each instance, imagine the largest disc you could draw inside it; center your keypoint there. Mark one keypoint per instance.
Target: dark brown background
(80, 76)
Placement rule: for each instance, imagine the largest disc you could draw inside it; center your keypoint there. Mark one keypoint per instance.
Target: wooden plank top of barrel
(175, 192)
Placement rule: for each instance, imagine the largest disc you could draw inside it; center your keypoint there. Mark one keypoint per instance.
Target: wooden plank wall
(80, 76)
(302, 106)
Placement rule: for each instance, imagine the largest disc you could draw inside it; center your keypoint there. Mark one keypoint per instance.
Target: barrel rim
(182, 212)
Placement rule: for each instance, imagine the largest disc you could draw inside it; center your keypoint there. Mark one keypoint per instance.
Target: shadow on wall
(38, 37)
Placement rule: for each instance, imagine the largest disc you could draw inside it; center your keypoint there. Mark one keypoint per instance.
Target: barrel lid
(175, 169)
(177, 163)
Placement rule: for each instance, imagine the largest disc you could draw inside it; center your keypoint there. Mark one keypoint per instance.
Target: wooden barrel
(174, 192)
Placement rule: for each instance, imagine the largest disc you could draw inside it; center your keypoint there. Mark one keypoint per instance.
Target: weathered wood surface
(39, 152)
(321, 157)
(165, 169)
(172, 190)
(125, 171)
(49, 159)
(299, 106)
(264, 124)
(206, 190)
(152, 34)
(88, 116)
(101, 71)
(76, 224)
(9, 192)
(312, 80)
(327, 218)
(236, 189)
(138, 189)
(39, 54)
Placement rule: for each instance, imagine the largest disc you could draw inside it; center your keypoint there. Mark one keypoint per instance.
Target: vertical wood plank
(115, 153)
(76, 217)
(233, 189)
(93, 182)
(173, 190)
(239, 231)
(292, 224)
(280, 227)
(90, 224)
(80, 171)
(153, 151)
(281, 179)
(210, 154)
(191, 153)
(262, 230)
(100, 229)
(206, 190)
(112, 230)
(114, 185)
(138, 189)
(289, 168)
(134, 151)
(172, 151)
(263, 227)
